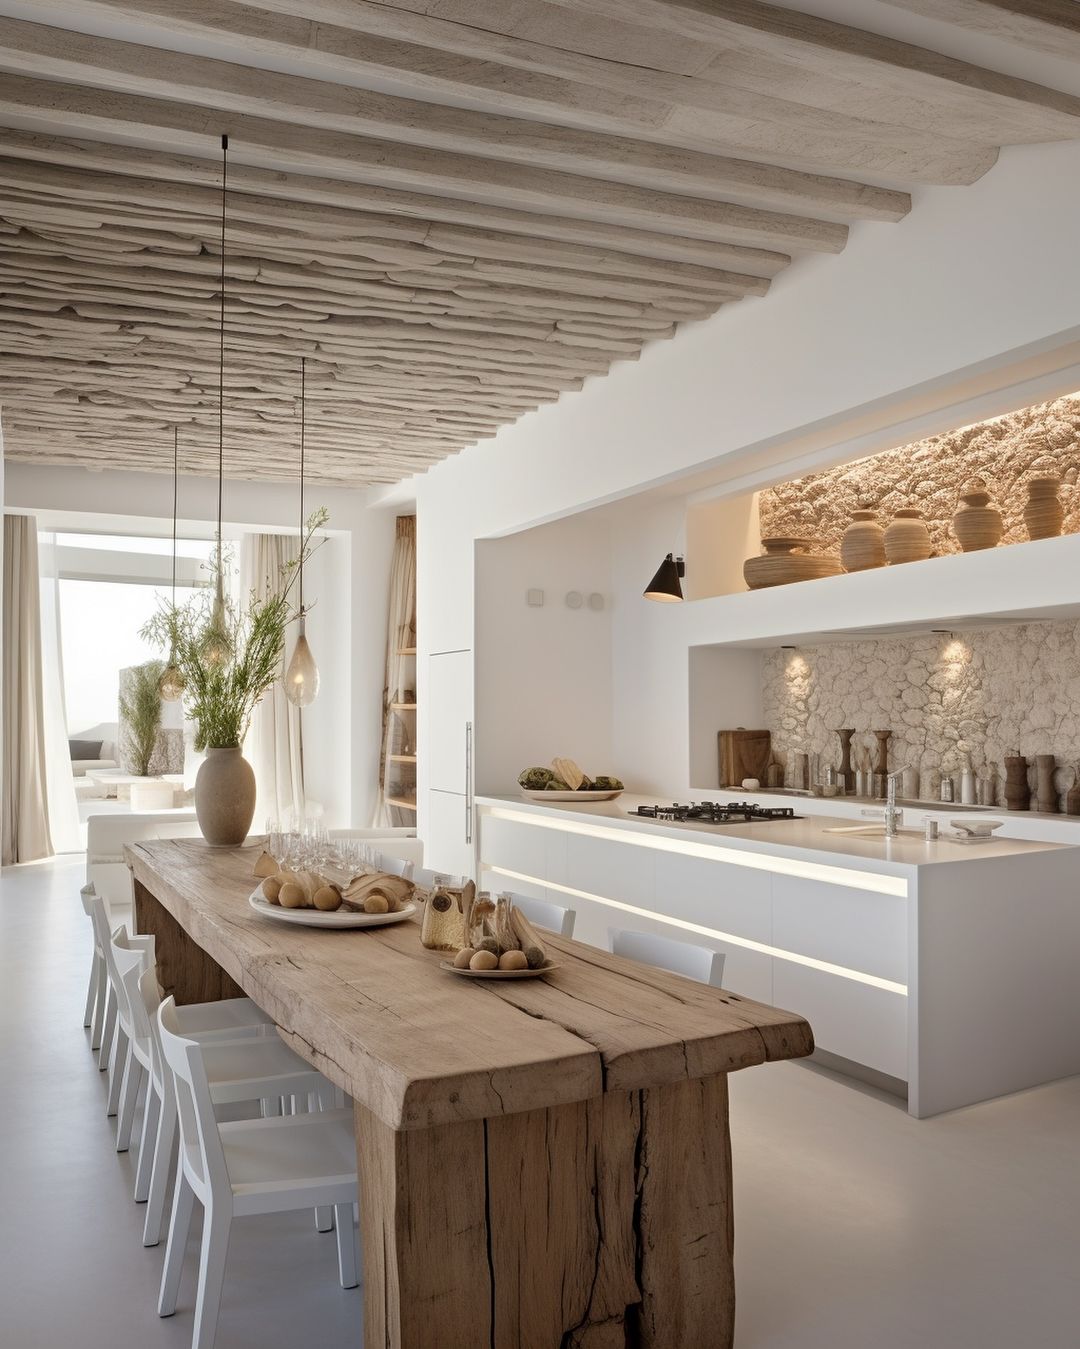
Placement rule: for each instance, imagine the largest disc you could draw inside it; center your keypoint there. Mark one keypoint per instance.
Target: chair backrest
(425, 879)
(128, 955)
(392, 843)
(201, 1153)
(542, 913)
(105, 839)
(145, 998)
(680, 957)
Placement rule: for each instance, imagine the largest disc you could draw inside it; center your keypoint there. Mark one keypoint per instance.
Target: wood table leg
(183, 967)
(605, 1224)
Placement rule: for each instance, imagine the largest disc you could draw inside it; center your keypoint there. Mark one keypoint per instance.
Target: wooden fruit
(907, 539)
(1043, 511)
(863, 544)
(782, 564)
(461, 960)
(376, 904)
(484, 960)
(513, 960)
(291, 896)
(271, 889)
(326, 898)
(977, 524)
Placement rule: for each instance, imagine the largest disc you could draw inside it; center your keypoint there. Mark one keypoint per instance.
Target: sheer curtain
(398, 735)
(64, 826)
(273, 744)
(24, 836)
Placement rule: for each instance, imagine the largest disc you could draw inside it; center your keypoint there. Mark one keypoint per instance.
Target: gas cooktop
(716, 812)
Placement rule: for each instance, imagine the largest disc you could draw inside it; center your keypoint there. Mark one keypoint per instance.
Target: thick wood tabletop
(421, 1047)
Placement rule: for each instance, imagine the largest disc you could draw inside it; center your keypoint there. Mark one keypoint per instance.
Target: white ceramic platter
(582, 798)
(321, 918)
(500, 974)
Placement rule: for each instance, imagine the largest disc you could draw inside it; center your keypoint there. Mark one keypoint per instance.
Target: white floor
(856, 1226)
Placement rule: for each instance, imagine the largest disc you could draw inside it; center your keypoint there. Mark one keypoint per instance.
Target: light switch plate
(535, 599)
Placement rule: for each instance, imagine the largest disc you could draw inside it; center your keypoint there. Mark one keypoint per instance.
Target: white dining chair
(680, 957)
(542, 913)
(98, 986)
(246, 1168)
(132, 955)
(114, 1052)
(243, 1063)
(391, 843)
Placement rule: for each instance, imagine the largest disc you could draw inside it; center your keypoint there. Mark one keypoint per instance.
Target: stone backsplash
(989, 692)
(929, 475)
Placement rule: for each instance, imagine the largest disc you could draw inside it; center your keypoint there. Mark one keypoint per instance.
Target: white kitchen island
(944, 969)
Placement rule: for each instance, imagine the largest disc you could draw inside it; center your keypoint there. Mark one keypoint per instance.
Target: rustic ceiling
(456, 209)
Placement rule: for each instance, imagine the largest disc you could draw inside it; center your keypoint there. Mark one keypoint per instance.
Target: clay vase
(225, 797)
(1072, 800)
(977, 524)
(1046, 797)
(907, 539)
(845, 770)
(1017, 792)
(863, 544)
(1043, 511)
(782, 564)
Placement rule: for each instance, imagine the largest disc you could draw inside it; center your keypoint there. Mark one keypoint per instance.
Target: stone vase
(1017, 791)
(1043, 512)
(907, 538)
(863, 544)
(977, 524)
(225, 797)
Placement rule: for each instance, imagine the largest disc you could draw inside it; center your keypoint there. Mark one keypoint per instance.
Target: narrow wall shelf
(402, 758)
(402, 707)
(403, 802)
(406, 651)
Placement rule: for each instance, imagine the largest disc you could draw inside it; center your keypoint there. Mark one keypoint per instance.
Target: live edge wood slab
(544, 1164)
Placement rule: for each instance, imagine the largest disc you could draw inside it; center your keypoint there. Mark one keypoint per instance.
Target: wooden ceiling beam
(696, 114)
(1048, 26)
(37, 50)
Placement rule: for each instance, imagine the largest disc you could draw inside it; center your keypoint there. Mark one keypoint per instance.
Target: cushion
(85, 749)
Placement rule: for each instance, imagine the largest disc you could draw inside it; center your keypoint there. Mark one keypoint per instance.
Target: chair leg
(129, 1096)
(91, 992)
(215, 1248)
(164, 1147)
(97, 1027)
(108, 1032)
(179, 1226)
(151, 1111)
(348, 1254)
(121, 1053)
(318, 1100)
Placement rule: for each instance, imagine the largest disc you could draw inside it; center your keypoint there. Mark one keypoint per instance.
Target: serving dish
(546, 968)
(340, 918)
(570, 796)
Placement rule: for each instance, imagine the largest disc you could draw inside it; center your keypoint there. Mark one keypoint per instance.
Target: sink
(869, 830)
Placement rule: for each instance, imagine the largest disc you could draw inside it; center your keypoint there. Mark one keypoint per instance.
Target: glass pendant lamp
(217, 647)
(302, 675)
(171, 683)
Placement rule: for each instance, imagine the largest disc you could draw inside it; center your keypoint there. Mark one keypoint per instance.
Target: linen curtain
(273, 747)
(399, 731)
(24, 835)
(68, 834)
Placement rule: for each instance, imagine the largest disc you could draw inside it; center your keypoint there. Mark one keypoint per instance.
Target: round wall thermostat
(574, 599)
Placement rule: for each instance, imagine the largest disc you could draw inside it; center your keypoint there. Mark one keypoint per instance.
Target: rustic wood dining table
(544, 1163)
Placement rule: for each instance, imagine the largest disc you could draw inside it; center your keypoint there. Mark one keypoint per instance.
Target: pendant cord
(221, 356)
(175, 490)
(303, 419)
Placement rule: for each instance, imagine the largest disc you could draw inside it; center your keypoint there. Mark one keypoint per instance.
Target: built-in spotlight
(665, 586)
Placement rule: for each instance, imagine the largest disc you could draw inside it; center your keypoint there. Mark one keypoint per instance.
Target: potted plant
(228, 658)
(140, 715)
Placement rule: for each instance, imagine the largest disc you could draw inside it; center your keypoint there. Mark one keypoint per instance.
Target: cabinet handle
(468, 782)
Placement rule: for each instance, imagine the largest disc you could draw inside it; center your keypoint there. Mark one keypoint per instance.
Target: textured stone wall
(988, 692)
(929, 475)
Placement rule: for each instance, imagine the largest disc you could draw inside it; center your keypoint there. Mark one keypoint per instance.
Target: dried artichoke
(535, 779)
(556, 785)
(607, 785)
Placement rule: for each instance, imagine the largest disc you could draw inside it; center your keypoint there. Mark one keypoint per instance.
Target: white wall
(349, 578)
(916, 328)
(543, 675)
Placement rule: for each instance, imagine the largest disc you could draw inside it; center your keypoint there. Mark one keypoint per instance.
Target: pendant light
(665, 586)
(302, 676)
(171, 683)
(217, 648)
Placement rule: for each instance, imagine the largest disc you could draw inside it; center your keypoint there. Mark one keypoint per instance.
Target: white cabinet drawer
(619, 871)
(858, 929)
(857, 1021)
(715, 895)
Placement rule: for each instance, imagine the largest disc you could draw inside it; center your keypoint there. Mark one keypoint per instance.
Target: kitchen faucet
(894, 816)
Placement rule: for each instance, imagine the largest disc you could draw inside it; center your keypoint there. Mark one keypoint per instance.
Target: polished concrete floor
(856, 1227)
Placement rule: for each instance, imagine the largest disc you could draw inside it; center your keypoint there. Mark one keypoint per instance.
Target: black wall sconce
(665, 586)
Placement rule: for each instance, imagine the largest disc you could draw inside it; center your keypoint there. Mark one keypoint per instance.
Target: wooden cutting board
(743, 754)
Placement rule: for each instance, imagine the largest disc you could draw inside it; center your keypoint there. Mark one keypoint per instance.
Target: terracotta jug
(977, 524)
(1043, 512)
(907, 539)
(863, 544)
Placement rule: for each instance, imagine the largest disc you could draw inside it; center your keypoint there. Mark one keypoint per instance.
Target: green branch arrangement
(221, 697)
(140, 709)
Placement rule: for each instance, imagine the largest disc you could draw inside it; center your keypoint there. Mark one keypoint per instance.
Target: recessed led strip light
(782, 866)
(826, 967)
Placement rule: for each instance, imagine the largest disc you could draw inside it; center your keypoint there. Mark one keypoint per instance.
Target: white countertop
(808, 837)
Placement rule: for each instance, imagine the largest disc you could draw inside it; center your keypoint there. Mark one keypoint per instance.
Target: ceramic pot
(863, 544)
(1043, 512)
(225, 797)
(1072, 800)
(907, 539)
(1017, 791)
(782, 564)
(1046, 797)
(977, 524)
